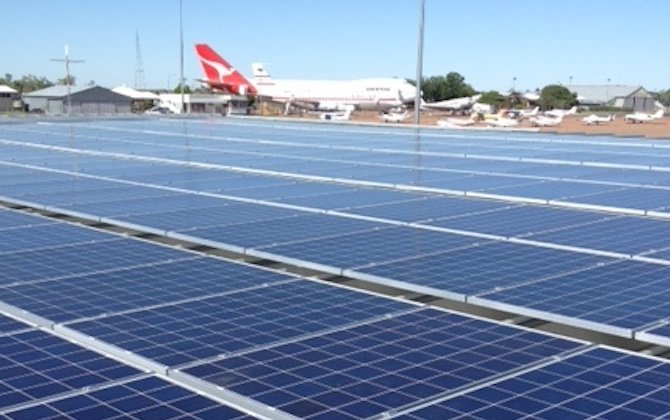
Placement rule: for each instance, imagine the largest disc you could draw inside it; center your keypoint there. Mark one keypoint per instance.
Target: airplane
(520, 114)
(454, 104)
(556, 113)
(595, 119)
(324, 95)
(642, 117)
(503, 122)
(545, 121)
(395, 117)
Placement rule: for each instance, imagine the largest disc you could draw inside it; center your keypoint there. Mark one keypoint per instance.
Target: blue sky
(488, 42)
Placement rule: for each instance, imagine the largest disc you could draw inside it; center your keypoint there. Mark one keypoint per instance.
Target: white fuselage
(333, 94)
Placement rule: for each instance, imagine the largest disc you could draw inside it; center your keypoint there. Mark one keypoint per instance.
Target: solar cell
(634, 198)
(12, 219)
(600, 383)
(147, 398)
(185, 332)
(37, 365)
(377, 367)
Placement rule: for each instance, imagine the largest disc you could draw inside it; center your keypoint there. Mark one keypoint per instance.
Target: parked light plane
(457, 122)
(641, 117)
(556, 113)
(545, 121)
(325, 95)
(454, 104)
(595, 119)
(503, 122)
(395, 117)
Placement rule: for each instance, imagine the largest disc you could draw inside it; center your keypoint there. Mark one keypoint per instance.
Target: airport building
(8, 98)
(84, 100)
(205, 103)
(141, 99)
(635, 98)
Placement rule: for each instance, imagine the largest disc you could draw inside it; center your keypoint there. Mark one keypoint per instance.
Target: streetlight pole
(419, 65)
(68, 80)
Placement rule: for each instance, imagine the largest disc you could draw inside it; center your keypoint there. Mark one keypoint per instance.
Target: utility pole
(419, 65)
(181, 56)
(67, 60)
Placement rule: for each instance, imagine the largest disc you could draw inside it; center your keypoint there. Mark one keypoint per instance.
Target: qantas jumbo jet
(324, 95)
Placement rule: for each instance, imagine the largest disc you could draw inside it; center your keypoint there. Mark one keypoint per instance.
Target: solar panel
(626, 294)
(35, 365)
(520, 221)
(147, 398)
(184, 332)
(377, 367)
(9, 325)
(112, 253)
(12, 219)
(484, 268)
(628, 235)
(45, 236)
(600, 383)
(299, 228)
(127, 288)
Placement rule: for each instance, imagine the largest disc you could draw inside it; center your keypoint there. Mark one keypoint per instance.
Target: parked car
(158, 110)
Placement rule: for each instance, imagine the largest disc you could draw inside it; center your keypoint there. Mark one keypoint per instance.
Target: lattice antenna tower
(139, 65)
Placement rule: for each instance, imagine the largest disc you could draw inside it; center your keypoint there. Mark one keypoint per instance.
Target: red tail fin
(221, 75)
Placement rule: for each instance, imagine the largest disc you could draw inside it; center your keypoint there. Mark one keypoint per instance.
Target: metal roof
(598, 94)
(7, 89)
(57, 91)
(135, 94)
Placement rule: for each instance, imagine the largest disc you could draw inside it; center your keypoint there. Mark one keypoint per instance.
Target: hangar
(84, 100)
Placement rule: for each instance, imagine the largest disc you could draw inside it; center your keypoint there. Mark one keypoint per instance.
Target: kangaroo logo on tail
(219, 74)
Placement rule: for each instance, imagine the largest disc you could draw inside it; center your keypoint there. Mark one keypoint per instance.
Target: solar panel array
(562, 229)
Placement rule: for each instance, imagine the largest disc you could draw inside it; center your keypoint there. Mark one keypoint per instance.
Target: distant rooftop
(600, 94)
(7, 89)
(57, 91)
(135, 94)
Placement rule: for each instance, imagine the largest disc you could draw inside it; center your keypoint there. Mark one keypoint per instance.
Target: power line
(68, 80)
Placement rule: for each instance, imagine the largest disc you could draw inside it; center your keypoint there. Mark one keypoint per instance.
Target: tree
(31, 83)
(557, 96)
(187, 89)
(440, 88)
(492, 98)
(663, 97)
(67, 80)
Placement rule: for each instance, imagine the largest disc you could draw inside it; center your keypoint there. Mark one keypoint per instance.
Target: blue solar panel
(36, 365)
(350, 198)
(13, 219)
(45, 236)
(628, 235)
(8, 325)
(634, 198)
(370, 247)
(88, 257)
(555, 190)
(131, 288)
(184, 332)
(483, 268)
(381, 366)
(148, 398)
(232, 214)
(250, 235)
(600, 383)
(520, 221)
(625, 294)
(174, 201)
(428, 208)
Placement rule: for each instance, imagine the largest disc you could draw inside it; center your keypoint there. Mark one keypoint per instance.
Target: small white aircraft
(395, 117)
(544, 121)
(642, 117)
(556, 113)
(595, 119)
(503, 122)
(455, 104)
